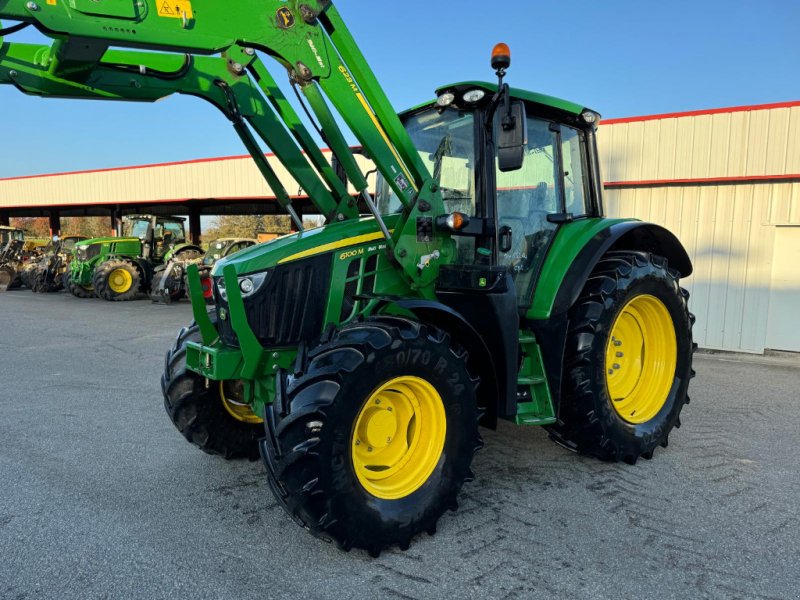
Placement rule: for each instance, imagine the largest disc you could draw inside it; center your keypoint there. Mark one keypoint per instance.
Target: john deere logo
(285, 18)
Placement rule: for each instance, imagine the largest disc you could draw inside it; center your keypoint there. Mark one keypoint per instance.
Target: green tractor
(359, 359)
(119, 268)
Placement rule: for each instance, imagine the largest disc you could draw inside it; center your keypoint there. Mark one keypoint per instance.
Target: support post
(194, 225)
(116, 222)
(55, 223)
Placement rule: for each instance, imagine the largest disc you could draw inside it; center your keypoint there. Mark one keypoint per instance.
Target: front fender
(480, 361)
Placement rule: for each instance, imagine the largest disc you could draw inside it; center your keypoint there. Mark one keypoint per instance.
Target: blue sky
(620, 57)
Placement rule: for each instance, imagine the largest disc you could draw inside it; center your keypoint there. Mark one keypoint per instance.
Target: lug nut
(620, 355)
(616, 366)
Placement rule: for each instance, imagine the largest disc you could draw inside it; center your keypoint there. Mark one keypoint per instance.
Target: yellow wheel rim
(398, 437)
(120, 281)
(641, 357)
(230, 392)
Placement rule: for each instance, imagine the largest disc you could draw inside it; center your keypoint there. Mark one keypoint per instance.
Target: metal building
(727, 182)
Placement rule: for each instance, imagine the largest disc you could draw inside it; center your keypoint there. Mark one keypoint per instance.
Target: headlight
(248, 284)
(473, 96)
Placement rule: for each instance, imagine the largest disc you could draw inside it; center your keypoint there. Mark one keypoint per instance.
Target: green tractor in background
(119, 268)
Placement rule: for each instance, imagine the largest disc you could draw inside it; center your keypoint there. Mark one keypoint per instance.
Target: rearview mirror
(512, 138)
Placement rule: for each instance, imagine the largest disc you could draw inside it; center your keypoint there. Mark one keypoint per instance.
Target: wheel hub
(120, 281)
(641, 357)
(398, 437)
(231, 394)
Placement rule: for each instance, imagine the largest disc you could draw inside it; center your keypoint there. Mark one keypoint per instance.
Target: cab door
(550, 189)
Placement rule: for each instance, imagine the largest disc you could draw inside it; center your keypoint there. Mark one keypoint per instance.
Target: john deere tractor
(484, 282)
(119, 268)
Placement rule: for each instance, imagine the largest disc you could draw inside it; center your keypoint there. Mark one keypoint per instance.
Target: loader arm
(145, 50)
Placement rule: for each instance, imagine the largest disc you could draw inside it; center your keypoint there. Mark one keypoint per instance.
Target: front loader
(117, 269)
(12, 242)
(484, 282)
(170, 281)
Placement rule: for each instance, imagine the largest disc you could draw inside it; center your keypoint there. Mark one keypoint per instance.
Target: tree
(247, 226)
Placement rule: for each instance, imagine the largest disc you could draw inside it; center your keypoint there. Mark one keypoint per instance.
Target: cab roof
(550, 102)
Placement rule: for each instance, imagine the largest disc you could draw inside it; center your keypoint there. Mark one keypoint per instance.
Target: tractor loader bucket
(168, 285)
(8, 277)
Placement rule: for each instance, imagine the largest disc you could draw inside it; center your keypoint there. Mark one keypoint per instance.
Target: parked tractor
(48, 273)
(12, 242)
(119, 268)
(170, 280)
(359, 359)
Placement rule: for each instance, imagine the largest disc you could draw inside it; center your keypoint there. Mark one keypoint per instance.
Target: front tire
(117, 281)
(628, 359)
(372, 439)
(198, 411)
(78, 290)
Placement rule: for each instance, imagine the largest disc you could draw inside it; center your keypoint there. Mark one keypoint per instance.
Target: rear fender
(551, 326)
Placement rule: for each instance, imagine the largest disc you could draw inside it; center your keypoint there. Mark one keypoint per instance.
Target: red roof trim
(697, 113)
(136, 167)
(145, 202)
(702, 180)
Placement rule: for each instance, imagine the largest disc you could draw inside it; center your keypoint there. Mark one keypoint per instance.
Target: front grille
(291, 306)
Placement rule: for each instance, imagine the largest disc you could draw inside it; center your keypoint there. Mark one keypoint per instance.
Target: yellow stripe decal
(351, 241)
(386, 139)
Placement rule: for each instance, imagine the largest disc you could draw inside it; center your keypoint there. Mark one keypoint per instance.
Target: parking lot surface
(101, 498)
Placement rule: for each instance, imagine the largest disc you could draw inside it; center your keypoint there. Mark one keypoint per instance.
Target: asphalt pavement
(101, 498)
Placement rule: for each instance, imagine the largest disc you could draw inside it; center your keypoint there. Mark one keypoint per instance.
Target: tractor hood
(327, 239)
(106, 240)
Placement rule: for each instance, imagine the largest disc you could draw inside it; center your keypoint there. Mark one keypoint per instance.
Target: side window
(525, 198)
(175, 230)
(576, 182)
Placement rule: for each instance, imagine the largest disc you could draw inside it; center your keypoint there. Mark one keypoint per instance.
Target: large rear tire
(199, 411)
(628, 359)
(372, 439)
(117, 280)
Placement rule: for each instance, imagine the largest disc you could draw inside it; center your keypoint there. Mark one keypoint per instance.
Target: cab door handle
(505, 238)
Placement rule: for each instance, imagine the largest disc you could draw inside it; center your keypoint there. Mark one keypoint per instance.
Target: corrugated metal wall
(745, 167)
(222, 178)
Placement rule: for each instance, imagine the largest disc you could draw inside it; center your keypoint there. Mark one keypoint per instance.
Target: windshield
(445, 142)
(138, 228)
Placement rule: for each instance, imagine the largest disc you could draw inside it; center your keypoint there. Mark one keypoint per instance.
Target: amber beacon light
(501, 57)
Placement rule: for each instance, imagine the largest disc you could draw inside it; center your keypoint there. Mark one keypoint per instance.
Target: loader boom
(145, 50)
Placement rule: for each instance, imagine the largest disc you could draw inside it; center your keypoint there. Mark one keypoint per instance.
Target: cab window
(525, 199)
(576, 181)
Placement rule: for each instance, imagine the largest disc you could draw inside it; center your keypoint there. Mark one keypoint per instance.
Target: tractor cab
(8, 234)
(511, 172)
(158, 234)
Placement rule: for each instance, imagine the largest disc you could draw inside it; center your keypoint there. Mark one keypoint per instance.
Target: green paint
(532, 97)
(539, 409)
(569, 241)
